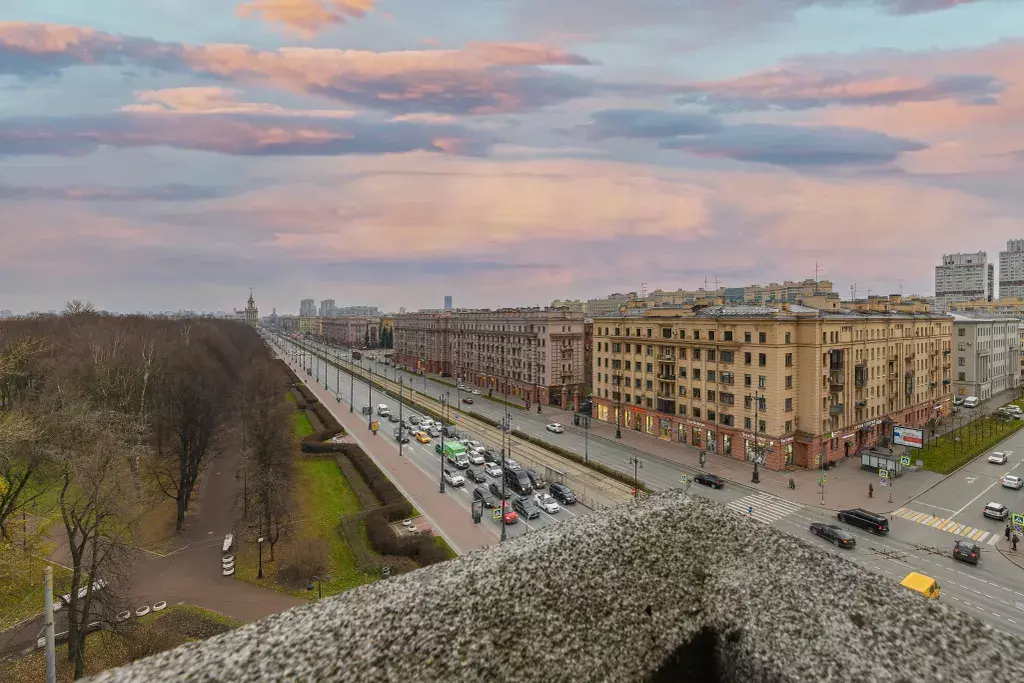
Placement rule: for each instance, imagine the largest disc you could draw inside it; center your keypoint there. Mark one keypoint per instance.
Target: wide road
(993, 591)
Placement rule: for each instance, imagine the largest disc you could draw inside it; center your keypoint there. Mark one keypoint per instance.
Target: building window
(682, 354)
(666, 333)
(762, 337)
(746, 358)
(748, 402)
(962, 377)
(789, 405)
(788, 337)
(727, 335)
(789, 381)
(960, 332)
(762, 381)
(682, 373)
(711, 395)
(696, 354)
(711, 335)
(746, 423)
(650, 384)
(711, 375)
(746, 337)
(762, 359)
(696, 334)
(650, 332)
(696, 392)
(711, 415)
(762, 403)
(682, 411)
(789, 427)
(761, 426)
(726, 356)
(696, 373)
(628, 380)
(961, 361)
(650, 367)
(747, 380)
(789, 360)
(628, 365)
(616, 347)
(628, 398)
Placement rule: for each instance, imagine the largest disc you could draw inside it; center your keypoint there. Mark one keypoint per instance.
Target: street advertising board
(906, 436)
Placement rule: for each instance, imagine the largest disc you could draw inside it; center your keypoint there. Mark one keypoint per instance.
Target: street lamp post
(319, 587)
(585, 419)
(259, 573)
(618, 407)
(756, 478)
(351, 388)
(504, 439)
(369, 386)
(400, 422)
(637, 465)
(442, 449)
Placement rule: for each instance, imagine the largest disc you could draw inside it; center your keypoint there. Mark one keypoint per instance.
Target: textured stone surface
(613, 597)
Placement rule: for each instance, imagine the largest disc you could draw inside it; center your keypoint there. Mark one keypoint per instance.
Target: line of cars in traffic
(469, 459)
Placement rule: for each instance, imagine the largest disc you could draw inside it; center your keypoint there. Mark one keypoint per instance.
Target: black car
(393, 418)
(562, 493)
(450, 432)
(536, 481)
(468, 401)
(836, 535)
(526, 507)
(475, 475)
(495, 490)
(966, 551)
(399, 436)
(876, 524)
(712, 480)
(482, 494)
(491, 456)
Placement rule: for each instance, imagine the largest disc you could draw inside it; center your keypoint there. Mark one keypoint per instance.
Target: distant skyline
(174, 153)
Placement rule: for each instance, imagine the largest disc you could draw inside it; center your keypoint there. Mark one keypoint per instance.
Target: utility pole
(51, 657)
(504, 438)
(442, 446)
(756, 478)
(637, 465)
(401, 423)
(369, 386)
(351, 387)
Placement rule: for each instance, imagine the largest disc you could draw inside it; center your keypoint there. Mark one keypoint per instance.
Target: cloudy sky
(172, 153)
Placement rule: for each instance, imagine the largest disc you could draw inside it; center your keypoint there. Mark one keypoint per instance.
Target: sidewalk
(1003, 546)
(447, 517)
(846, 485)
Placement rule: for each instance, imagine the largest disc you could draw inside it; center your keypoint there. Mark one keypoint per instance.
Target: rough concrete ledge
(674, 589)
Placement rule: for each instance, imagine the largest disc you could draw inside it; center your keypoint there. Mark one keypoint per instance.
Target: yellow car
(925, 585)
(422, 437)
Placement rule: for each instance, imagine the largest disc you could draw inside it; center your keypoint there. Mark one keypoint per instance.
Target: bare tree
(192, 404)
(97, 506)
(78, 307)
(269, 445)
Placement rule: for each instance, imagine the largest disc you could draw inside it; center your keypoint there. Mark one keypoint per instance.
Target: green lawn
(290, 397)
(21, 585)
(946, 454)
(443, 544)
(322, 496)
(303, 427)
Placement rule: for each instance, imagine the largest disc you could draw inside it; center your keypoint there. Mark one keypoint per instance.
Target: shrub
(308, 558)
(326, 418)
(314, 443)
(306, 393)
(382, 487)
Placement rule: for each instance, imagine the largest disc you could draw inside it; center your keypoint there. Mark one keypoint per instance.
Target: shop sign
(788, 439)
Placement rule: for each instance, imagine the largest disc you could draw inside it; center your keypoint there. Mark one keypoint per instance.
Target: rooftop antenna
(817, 268)
(899, 280)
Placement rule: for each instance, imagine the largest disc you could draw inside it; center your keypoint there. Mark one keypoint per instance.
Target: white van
(971, 402)
(383, 410)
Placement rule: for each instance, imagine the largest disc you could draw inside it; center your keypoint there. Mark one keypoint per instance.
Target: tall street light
(618, 407)
(351, 388)
(505, 436)
(637, 465)
(442, 449)
(756, 478)
(401, 424)
(369, 386)
(259, 573)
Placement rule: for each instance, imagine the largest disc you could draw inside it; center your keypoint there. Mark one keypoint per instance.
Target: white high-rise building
(307, 308)
(963, 277)
(987, 351)
(1011, 270)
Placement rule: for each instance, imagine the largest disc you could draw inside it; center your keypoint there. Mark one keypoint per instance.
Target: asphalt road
(991, 591)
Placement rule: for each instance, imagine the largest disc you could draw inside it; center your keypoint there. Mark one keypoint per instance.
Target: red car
(510, 517)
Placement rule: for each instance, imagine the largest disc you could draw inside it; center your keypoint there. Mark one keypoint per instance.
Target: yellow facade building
(795, 381)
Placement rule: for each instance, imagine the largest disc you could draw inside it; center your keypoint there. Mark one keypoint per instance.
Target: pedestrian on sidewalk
(1007, 532)
(1014, 542)
(871, 491)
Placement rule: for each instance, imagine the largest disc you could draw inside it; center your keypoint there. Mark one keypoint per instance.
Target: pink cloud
(216, 100)
(480, 78)
(306, 17)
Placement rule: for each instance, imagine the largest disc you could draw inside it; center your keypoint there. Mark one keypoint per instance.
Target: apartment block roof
(780, 312)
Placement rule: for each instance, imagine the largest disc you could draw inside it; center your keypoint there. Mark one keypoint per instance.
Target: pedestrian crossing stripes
(764, 507)
(948, 525)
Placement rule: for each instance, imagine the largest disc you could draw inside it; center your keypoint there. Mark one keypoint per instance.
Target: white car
(998, 458)
(493, 469)
(512, 464)
(476, 392)
(472, 445)
(426, 423)
(1012, 481)
(546, 503)
(555, 427)
(996, 511)
(453, 478)
(476, 456)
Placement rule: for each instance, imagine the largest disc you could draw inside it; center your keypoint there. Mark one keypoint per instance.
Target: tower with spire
(252, 314)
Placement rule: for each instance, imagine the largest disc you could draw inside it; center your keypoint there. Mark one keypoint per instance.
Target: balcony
(721, 622)
(728, 381)
(667, 376)
(861, 404)
(836, 409)
(910, 356)
(666, 404)
(667, 357)
(836, 383)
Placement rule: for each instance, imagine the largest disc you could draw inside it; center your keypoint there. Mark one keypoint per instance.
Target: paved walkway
(446, 516)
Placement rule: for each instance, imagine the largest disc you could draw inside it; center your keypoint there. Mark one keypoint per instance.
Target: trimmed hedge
(383, 488)
(326, 418)
(306, 393)
(420, 547)
(578, 459)
(314, 443)
(367, 561)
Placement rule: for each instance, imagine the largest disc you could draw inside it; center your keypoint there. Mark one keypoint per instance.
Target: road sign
(905, 460)
(682, 478)
(496, 514)
(884, 474)
(750, 510)
(882, 483)
(906, 436)
(1018, 520)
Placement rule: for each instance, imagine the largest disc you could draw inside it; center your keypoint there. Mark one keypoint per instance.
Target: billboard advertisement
(905, 436)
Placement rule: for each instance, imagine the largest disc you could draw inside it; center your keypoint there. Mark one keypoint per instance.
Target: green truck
(454, 452)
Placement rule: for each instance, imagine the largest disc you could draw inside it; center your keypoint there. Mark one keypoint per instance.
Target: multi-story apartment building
(326, 307)
(307, 308)
(353, 331)
(963, 277)
(1011, 270)
(788, 291)
(1000, 306)
(311, 324)
(987, 354)
(531, 353)
(801, 382)
(609, 304)
(1020, 329)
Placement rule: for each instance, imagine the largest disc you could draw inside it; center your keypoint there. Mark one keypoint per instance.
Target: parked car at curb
(712, 480)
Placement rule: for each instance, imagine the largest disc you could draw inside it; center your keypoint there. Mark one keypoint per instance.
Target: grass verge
(303, 427)
(21, 584)
(443, 545)
(949, 452)
(321, 497)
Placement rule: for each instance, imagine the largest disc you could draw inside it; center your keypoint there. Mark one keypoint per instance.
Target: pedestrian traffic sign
(750, 510)
(905, 461)
(884, 474)
(882, 483)
(682, 478)
(496, 514)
